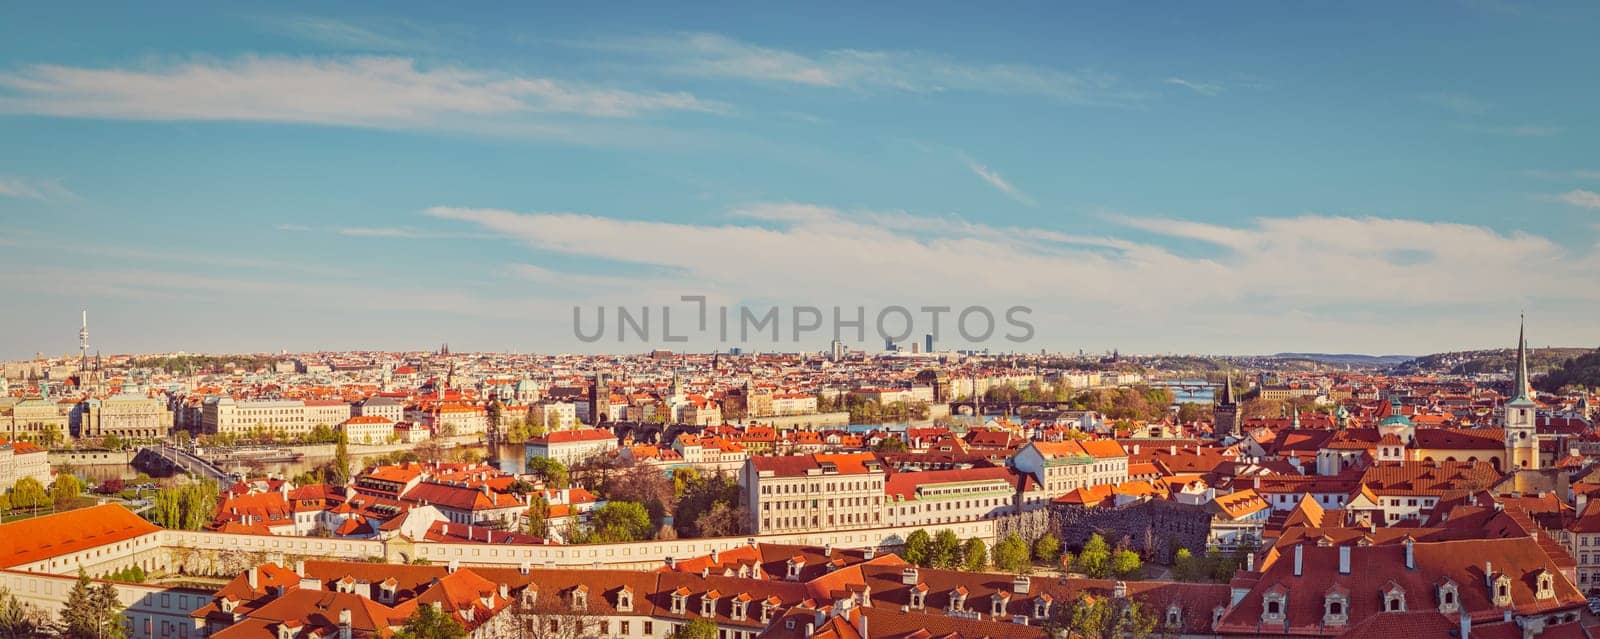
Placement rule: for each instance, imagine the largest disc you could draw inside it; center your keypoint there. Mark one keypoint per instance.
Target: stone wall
(1156, 528)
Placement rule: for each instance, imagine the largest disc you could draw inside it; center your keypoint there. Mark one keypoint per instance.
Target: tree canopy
(431, 623)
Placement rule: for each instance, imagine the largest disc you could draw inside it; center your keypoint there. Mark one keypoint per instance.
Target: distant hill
(1488, 361)
(1582, 371)
(1352, 359)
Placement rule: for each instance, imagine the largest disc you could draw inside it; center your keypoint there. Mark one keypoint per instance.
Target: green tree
(620, 521)
(538, 517)
(1109, 618)
(112, 442)
(946, 550)
(1126, 564)
(917, 547)
(1011, 554)
(65, 489)
(552, 471)
(92, 612)
(341, 459)
(696, 629)
(1184, 565)
(28, 493)
(17, 620)
(975, 555)
(431, 623)
(1095, 560)
(891, 444)
(1047, 548)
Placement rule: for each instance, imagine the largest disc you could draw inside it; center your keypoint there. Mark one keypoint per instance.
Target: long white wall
(635, 554)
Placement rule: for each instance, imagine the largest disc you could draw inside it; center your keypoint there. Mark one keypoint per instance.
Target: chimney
(254, 578)
(864, 634)
(444, 529)
(300, 567)
(715, 556)
(1299, 560)
(672, 563)
(455, 564)
(811, 629)
(1250, 562)
(344, 624)
(1119, 590)
(1020, 584)
(827, 549)
(908, 576)
(1173, 449)
(1344, 559)
(1411, 557)
(1466, 625)
(1582, 501)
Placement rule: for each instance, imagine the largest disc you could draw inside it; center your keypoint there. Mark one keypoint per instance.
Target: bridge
(179, 459)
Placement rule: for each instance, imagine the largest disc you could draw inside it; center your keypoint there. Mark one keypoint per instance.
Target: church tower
(1522, 442)
(1225, 414)
(600, 400)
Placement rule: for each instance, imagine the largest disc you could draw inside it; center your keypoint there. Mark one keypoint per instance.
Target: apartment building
(799, 493)
(1067, 465)
(284, 416)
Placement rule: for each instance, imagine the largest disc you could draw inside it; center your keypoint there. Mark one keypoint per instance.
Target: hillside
(1488, 361)
(1581, 371)
(1351, 359)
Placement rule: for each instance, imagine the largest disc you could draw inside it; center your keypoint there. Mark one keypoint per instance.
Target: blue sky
(1248, 177)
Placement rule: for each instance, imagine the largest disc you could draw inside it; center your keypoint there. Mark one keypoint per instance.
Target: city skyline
(276, 177)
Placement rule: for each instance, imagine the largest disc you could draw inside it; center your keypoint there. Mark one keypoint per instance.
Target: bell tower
(1522, 442)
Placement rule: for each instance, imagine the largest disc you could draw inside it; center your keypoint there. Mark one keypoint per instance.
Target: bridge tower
(1225, 413)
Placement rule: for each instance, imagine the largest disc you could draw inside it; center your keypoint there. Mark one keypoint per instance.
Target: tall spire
(1520, 391)
(83, 342)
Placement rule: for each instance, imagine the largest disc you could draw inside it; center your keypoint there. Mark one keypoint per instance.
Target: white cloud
(1307, 261)
(1569, 174)
(1580, 198)
(408, 233)
(1202, 88)
(713, 55)
(343, 34)
(388, 92)
(293, 228)
(994, 179)
(35, 189)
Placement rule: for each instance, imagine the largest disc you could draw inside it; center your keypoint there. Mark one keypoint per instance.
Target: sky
(1245, 177)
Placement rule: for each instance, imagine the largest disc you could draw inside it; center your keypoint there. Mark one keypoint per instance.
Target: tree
(65, 489)
(341, 459)
(17, 619)
(553, 472)
(1047, 548)
(721, 521)
(975, 555)
(891, 444)
(1109, 618)
(1011, 554)
(621, 521)
(112, 442)
(187, 507)
(946, 550)
(1184, 565)
(111, 486)
(92, 612)
(696, 629)
(28, 493)
(1125, 563)
(538, 517)
(429, 622)
(917, 547)
(1095, 560)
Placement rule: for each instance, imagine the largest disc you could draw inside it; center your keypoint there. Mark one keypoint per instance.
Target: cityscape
(825, 321)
